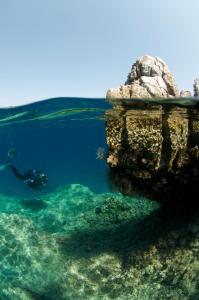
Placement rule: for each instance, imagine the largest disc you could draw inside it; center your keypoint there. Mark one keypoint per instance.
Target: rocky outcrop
(185, 94)
(153, 143)
(196, 87)
(149, 77)
(154, 147)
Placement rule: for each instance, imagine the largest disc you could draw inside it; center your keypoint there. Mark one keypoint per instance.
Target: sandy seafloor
(79, 239)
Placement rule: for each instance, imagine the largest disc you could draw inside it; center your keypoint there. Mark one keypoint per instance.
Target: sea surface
(78, 237)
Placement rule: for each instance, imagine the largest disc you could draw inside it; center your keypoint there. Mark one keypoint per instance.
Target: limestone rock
(149, 78)
(154, 147)
(128, 91)
(196, 87)
(185, 94)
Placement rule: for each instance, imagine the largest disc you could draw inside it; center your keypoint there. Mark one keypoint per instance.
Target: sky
(80, 48)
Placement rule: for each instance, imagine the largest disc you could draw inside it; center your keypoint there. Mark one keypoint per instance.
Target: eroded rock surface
(149, 77)
(152, 145)
(185, 94)
(155, 147)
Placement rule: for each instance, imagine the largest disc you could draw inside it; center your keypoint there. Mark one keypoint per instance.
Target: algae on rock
(113, 247)
(153, 146)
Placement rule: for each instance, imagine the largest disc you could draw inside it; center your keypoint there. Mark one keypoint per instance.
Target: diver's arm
(16, 172)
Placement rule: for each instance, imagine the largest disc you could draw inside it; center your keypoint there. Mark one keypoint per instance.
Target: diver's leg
(16, 172)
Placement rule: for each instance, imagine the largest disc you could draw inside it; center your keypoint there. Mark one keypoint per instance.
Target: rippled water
(78, 237)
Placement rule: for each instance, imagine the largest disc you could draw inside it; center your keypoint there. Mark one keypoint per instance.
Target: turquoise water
(79, 238)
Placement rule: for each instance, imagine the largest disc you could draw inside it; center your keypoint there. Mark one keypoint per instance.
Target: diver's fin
(11, 153)
(2, 167)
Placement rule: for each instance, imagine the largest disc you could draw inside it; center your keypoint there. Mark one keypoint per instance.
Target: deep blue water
(59, 136)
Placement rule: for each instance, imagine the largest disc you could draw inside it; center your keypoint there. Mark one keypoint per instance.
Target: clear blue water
(77, 238)
(64, 146)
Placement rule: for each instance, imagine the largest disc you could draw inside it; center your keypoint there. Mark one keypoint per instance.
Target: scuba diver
(34, 179)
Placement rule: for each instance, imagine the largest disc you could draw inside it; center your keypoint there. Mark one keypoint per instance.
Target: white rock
(149, 77)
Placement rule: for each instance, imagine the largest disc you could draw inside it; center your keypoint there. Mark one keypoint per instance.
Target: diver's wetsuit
(33, 178)
(16, 172)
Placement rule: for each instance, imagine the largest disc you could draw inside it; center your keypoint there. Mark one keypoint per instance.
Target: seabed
(75, 244)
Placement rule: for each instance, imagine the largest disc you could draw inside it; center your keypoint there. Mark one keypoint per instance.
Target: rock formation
(149, 77)
(185, 93)
(152, 143)
(154, 147)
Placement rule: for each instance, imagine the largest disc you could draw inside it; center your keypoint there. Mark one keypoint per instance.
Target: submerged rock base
(154, 146)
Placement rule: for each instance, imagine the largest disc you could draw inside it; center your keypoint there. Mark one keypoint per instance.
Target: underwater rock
(26, 253)
(196, 87)
(115, 257)
(154, 147)
(36, 264)
(113, 211)
(33, 204)
(149, 78)
(132, 249)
